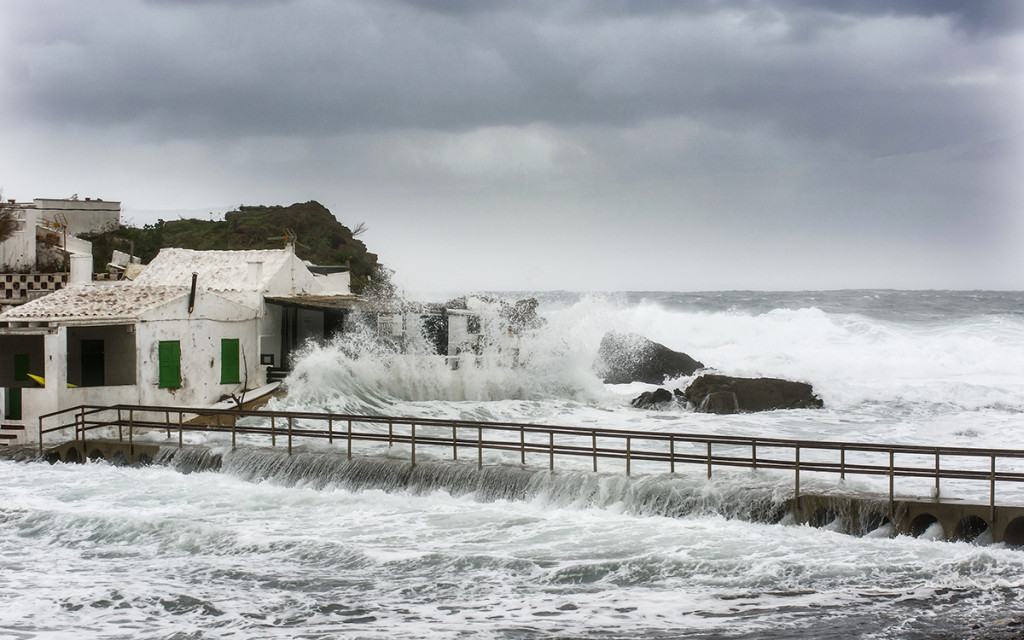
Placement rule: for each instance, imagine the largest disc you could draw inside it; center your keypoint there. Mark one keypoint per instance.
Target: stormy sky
(539, 145)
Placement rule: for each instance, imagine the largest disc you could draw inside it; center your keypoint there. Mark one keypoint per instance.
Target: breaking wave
(853, 360)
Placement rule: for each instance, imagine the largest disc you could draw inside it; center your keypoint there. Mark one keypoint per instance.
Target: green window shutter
(229, 361)
(21, 365)
(170, 364)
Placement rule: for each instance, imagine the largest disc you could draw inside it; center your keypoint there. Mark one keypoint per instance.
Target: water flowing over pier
(960, 489)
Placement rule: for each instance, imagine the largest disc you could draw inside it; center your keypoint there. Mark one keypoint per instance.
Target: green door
(13, 408)
(229, 361)
(170, 364)
(92, 363)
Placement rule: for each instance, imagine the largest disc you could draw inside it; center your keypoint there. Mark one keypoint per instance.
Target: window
(170, 364)
(93, 369)
(21, 366)
(229, 361)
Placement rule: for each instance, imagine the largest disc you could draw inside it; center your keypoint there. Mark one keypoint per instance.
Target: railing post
(412, 445)
(937, 475)
(551, 450)
(131, 433)
(628, 452)
(289, 435)
(273, 432)
(455, 443)
(181, 429)
(330, 430)
(391, 434)
(709, 459)
(753, 454)
(234, 424)
(892, 482)
(350, 439)
(671, 454)
(593, 446)
(120, 430)
(81, 419)
(842, 462)
(167, 416)
(796, 482)
(522, 445)
(479, 448)
(992, 492)
(40, 436)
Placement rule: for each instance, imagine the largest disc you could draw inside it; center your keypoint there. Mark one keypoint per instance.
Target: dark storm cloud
(851, 128)
(975, 15)
(277, 68)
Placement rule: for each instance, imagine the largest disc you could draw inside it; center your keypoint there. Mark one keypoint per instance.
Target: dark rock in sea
(651, 399)
(628, 357)
(712, 393)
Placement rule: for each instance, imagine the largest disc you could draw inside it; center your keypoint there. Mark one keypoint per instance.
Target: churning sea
(311, 547)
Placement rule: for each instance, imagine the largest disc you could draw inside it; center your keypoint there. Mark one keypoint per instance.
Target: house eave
(320, 303)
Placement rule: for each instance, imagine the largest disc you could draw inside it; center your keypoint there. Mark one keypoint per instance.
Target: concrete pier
(854, 514)
(960, 520)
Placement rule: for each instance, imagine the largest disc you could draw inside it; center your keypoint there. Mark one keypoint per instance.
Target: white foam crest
(937, 367)
(970, 363)
(267, 560)
(356, 371)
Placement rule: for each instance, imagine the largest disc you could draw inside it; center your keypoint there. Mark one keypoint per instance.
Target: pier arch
(872, 521)
(1013, 535)
(823, 517)
(968, 529)
(922, 523)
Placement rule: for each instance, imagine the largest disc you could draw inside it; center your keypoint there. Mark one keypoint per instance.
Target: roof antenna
(290, 238)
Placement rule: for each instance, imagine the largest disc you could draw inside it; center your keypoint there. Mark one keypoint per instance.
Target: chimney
(255, 271)
(81, 268)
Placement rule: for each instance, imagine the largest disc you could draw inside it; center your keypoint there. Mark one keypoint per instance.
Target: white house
(47, 233)
(191, 329)
(50, 222)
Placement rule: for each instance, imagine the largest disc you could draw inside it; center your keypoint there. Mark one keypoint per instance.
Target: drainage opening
(968, 529)
(922, 523)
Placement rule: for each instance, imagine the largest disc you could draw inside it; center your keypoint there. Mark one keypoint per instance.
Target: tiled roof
(95, 302)
(218, 270)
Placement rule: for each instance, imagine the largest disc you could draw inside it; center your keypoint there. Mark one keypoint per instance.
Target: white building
(193, 328)
(47, 222)
(46, 238)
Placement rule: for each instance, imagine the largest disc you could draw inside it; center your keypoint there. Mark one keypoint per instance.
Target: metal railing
(668, 449)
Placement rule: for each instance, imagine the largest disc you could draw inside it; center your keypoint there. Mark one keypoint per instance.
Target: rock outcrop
(651, 399)
(628, 357)
(711, 393)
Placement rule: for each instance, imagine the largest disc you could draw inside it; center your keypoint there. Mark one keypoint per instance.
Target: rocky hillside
(321, 238)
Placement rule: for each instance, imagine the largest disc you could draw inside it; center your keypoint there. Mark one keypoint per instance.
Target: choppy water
(312, 547)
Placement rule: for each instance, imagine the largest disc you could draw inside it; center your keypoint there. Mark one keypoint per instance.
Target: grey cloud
(281, 70)
(839, 126)
(972, 15)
